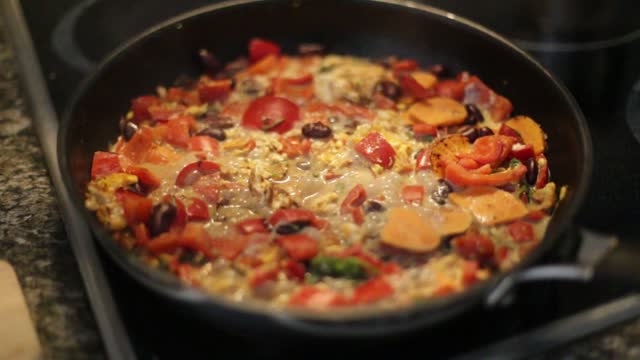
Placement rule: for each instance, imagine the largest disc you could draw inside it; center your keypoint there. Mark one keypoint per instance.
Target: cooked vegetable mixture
(325, 181)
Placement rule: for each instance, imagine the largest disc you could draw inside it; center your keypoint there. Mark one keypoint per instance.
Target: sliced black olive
(291, 228)
(316, 130)
(129, 130)
(441, 193)
(484, 131)
(532, 171)
(136, 189)
(208, 61)
(474, 115)
(470, 133)
(388, 89)
(373, 206)
(311, 49)
(161, 218)
(215, 133)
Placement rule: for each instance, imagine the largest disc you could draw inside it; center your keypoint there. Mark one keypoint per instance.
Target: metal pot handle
(594, 246)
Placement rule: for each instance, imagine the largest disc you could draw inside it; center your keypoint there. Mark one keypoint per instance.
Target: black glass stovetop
(71, 36)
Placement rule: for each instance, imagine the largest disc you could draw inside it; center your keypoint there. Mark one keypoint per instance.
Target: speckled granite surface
(33, 240)
(32, 236)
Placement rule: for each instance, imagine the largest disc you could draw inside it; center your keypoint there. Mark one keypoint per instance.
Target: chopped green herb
(326, 68)
(349, 267)
(514, 163)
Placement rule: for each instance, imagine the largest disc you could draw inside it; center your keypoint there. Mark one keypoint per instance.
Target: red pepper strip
(543, 171)
(299, 246)
(469, 272)
(260, 48)
(352, 203)
(283, 216)
(521, 231)
(146, 178)
(137, 208)
(372, 291)
(377, 150)
(473, 246)
(197, 210)
(250, 226)
(413, 194)
(192, 172)
(105, 163)
(423, 160)
(316, 298)
(460, 176)
(423, 129)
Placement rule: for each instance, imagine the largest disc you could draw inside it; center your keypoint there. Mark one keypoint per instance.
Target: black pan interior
(366, 28)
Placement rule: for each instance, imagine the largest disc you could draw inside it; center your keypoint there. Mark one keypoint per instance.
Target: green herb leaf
(514, 163)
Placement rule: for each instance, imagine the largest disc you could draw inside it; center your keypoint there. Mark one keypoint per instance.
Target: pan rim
(347, 318)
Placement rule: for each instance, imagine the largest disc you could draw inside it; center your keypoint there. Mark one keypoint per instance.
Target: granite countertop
(33, 240)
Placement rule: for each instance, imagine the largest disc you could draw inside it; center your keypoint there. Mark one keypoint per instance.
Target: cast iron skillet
(367, 28)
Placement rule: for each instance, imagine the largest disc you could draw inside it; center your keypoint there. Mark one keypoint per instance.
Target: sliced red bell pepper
(178, 131)
(138, 147)
(404, 65)
(423, 160)
(210, 90)
(316, 298)
(230, 248)
(522, 152)
(450, 88)
(140, 107)
(377, 150)
(203, 143)
(372, 291)
(251, 226)
(294, 270)
(470, 272)
(474, 246)
(137, 208)
(146, 178)
(521, 231)
(259, 48)
(509, 131)
(105, 163)
(412, 87)
(543, 171)
(262, 276)
(460, 176)
(197, 210)
(192, 172)
(413, 194)
(285, 216)
(142, 234)
(352, 203)
(422, 129)
(294, 146)
(299, 246)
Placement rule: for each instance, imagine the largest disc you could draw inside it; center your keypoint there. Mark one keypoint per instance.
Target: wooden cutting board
(18, 340)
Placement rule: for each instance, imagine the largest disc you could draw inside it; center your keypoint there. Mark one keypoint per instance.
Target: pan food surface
(318, 180)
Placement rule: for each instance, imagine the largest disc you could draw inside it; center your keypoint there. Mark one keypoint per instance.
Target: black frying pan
(367, 28)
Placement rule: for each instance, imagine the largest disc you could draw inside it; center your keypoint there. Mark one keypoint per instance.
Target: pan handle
(593, 247)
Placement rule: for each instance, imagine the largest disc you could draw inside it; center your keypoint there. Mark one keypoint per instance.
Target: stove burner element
(63, 42)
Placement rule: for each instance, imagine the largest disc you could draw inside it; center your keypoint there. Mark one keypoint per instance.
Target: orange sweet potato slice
(530, 132)
(425, 79)
(445, 149)
(490, 205)
(438, 111)
(406, 230)
(454, 221)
